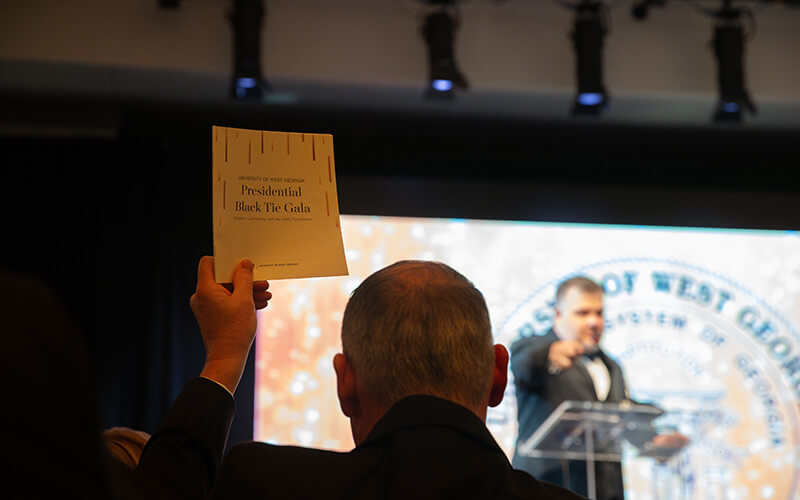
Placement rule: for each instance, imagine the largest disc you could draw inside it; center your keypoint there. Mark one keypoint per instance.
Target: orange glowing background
(512, 264)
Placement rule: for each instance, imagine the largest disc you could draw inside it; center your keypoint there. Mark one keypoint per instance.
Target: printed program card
(275, 203)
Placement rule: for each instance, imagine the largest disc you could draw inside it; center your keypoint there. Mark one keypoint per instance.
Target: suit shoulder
(535, 488)
(251, 467)
(531, 341)
(254, 449)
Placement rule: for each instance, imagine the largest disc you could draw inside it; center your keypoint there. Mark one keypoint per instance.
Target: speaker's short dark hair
(583, 283)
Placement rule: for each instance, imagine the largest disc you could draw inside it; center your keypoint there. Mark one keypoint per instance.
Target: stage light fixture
(438, 31)
(728, 44)
(589, 29)
(246, 18)
(640, 9)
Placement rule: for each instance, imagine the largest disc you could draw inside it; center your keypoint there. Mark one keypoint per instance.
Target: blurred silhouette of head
(50, 437)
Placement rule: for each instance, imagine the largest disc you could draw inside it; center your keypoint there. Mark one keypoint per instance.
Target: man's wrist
(226, 373)
(214, 381)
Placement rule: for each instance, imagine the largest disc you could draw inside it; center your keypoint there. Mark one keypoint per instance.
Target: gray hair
(419, 327)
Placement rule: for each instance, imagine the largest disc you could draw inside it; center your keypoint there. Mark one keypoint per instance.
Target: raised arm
(534, 358)
(182, 457)
(227, 320)
(529, 361)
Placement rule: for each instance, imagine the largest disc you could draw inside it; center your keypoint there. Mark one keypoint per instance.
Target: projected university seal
(722, 362)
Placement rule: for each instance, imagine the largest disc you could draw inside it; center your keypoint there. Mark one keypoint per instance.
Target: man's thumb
(243, 278)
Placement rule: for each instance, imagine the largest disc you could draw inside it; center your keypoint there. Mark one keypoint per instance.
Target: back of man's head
(419, 327)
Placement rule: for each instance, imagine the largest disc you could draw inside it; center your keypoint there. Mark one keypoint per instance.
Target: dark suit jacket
(539, 393)
(181, 458)
(424, 447)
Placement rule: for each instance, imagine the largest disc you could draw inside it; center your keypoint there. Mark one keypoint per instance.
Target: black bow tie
(592, 355)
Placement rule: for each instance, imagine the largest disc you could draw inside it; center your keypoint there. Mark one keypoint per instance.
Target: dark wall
(116, 225)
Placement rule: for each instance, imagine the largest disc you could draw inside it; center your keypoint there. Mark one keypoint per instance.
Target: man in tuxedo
(567, 364)
(416, 375)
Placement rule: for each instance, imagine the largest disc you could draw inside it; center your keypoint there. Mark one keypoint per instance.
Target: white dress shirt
(600, 376)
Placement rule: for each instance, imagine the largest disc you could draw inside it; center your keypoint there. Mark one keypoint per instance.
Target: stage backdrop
(703, 322)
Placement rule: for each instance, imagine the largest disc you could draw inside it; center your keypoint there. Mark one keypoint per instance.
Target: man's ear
(500, 376)
(346, 386)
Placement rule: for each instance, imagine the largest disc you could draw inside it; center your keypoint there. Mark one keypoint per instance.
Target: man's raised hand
(227, 319)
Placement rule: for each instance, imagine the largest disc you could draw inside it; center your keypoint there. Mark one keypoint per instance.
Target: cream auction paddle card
(275, 203)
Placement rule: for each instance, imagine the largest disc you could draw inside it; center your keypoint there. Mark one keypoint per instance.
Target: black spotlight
(587, 37)
(728, 44)
(444, 75)
(246, 18)
(640, 9)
